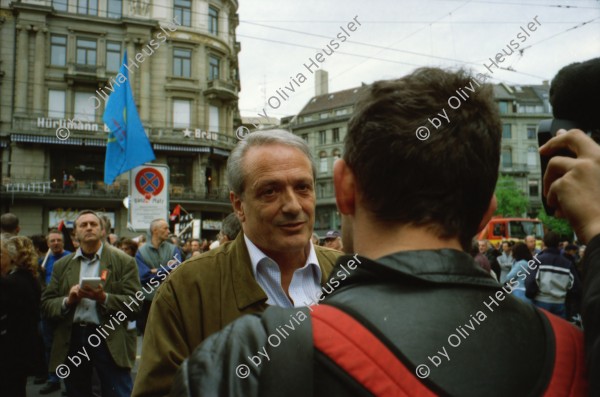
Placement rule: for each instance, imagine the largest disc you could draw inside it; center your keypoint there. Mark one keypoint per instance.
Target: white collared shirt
(86, 308)
(305, 287)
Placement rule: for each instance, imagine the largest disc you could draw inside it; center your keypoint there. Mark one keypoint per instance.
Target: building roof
(333, 100)
(524, 94)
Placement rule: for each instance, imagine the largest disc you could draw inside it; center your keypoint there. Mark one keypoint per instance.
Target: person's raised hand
(572, 185)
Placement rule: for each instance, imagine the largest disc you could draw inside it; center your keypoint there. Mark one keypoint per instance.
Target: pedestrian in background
(20, 294)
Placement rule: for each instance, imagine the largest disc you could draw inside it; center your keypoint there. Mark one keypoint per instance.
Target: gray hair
(231, 226)
(153, 225)
(235, 172)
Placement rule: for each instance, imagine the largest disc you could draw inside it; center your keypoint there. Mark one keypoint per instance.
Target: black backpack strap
(289, 338)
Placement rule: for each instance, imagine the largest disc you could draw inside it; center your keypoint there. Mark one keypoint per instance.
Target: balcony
(24, 187)
(221, 89)
(98, 190)
(514, 169)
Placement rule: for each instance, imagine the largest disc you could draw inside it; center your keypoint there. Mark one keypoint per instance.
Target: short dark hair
(444, 182)
(9, 223)
(127, 242)
(521, 252)
(551, 239)
(231, 226)
(85, 212)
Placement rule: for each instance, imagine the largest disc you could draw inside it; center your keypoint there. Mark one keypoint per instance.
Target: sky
(279, 37)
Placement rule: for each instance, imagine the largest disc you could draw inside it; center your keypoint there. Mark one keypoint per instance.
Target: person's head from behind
(551, 239)
(230, 228)
(521, 252)
(571, 249)
(9, 223)
(444, 184)
(271, 176)
(22, 254)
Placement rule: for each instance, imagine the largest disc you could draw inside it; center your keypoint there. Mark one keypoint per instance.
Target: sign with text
(149, 187)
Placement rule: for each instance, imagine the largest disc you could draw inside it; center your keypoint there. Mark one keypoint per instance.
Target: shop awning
(45, 139)
(181, 148)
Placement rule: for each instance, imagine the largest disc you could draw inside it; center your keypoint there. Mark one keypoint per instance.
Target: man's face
(530, 242)
(482, 246)
(56, 243)
(88, 229)
(333, 243)
(506, 248)
(277, 208)
(162, 231)
(195, 246)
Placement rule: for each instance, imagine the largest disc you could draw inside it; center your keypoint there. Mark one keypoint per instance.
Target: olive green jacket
(121, 284)
(199, 298)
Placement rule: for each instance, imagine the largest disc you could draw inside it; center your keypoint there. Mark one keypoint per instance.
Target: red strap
(364, 357)
(569, 376)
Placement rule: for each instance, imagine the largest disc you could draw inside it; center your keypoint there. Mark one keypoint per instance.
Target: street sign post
(149, 190)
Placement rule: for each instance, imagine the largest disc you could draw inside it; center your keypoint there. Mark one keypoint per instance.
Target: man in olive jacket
(92, 324)
(272, 262)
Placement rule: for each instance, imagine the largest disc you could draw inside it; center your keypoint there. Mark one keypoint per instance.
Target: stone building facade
(59, 60)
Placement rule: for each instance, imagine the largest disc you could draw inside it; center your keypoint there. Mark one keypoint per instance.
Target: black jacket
(591, 312)
(415, 301)
(20, 294)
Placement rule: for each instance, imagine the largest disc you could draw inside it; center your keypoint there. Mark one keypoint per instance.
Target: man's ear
(345, 187)
(238, 208)
(488, 213)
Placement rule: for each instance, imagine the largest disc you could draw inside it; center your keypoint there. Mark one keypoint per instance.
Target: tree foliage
(560, 226)
(511, 200)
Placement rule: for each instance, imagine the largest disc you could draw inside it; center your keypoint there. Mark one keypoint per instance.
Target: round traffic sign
(149, 182)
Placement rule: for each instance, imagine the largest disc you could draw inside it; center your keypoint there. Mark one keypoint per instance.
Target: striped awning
(95, 142)
(45, 139)
(221, 152)
(181, 148)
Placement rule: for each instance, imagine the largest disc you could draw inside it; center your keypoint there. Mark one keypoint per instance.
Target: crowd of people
(231, 321)
(28, 264)
(556, 285)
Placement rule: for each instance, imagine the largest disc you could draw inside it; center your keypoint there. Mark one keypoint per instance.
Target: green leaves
(511, 200)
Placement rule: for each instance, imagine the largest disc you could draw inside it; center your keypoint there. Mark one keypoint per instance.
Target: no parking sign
(149, 187)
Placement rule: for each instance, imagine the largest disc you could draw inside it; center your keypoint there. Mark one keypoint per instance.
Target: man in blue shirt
(56, 245)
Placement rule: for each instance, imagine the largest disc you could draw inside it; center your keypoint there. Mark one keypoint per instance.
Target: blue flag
(127, 146)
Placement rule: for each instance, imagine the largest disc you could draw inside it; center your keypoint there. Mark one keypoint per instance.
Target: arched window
(323, 161)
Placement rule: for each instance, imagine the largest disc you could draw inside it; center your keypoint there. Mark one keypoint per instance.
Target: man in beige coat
(271, 176)
(93, 327)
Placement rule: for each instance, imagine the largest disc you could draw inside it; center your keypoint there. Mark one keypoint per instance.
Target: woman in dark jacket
(19, 313)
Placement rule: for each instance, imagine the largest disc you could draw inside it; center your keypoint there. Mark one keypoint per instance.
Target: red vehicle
(500, 228)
